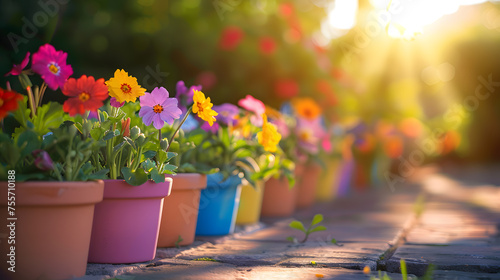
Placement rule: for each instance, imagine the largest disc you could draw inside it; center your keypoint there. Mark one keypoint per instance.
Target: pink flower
(43, 160)
(283, 128)
(18, 69)
(253, 105)
(158, 108)
(310, 133)
(51, 65)
(113, 102)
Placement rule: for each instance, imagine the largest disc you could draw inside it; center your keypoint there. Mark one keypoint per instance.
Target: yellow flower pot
(250, 204)
(328, 181)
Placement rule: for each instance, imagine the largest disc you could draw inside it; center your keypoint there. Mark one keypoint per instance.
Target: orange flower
(306, 107)
(8, 102)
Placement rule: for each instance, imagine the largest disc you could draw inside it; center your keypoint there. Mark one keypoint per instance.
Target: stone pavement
(457, 231)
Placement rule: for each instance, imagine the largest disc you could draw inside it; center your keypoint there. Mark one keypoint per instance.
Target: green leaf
(148, 165)
(136, 178)
(156, 176)
(149, 154)
(297, 225)
(317, 219)
(169, 168)
(318, 228)
(108, 135)
(179, 240)
(97, 133)
(162, 156)
(292, 239)
(170, 155)
(404, 272)
(28, 141)
(118, 147)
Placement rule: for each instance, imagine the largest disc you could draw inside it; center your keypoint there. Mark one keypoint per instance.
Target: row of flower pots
(60, 226)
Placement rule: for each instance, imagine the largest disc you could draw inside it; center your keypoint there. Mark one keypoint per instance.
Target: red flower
(286, 88)
(86, 94)
(286, 9)
(326, 90)
(267, 45)
(8, 102)
(231, 37)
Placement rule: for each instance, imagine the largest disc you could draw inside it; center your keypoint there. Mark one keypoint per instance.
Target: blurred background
(430, 69)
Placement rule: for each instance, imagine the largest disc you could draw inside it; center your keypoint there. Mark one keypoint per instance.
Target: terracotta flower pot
(218, 205)
(127, 221)
(52, 230)
(250, 204)
(279, 198)
(180, 210)
(328, 181)
(306, 188)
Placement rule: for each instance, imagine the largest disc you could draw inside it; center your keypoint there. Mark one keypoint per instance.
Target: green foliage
(206, 259)
(404, 272)
(136, 157)
(313, 227)
(179, 240)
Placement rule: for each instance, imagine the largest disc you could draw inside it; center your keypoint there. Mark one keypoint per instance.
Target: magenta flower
(227, 113)
(18, 69)
(185, 95)
(213, 129)
(42, 160)
(51, 65)
(113, 102)
(157, 108)
(253, 105)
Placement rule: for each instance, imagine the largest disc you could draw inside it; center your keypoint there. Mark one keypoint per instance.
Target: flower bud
(42, 160)
(164, 144)
(134, 132)
(141, 139)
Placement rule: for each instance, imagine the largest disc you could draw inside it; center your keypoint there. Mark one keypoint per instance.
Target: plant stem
(31, 101)
(179, 127)
(41, 93)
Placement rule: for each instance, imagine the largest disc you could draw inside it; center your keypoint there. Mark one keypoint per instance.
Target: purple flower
(185, 95)
(113, 102)
(157, 108)
(213, 129)
(51, 65)
(18, 69)
(227, 112)
(43, 160)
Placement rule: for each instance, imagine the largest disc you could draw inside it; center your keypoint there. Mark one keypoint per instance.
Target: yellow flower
(203, 107)
(124, 87)
(269, 137)
(306, 107)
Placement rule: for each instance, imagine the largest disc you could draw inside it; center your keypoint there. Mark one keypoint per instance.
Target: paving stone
(187, 270)
(452, 257)
(239, 252)
(460, 275)
(216, 271)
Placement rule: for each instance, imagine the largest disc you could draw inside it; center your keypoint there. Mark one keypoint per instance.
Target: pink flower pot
(127, 221)
(180, 210)
(52, 230)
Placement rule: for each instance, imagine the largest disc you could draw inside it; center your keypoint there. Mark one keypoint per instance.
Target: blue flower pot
(218, 205)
